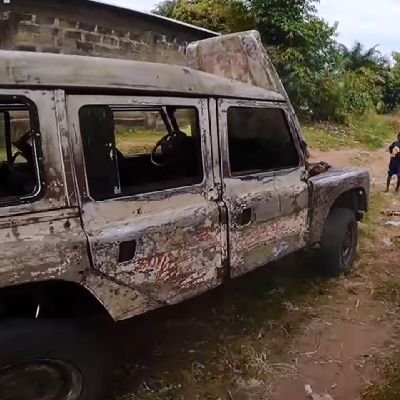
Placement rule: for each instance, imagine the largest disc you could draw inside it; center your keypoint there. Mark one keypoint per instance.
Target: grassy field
(137, 142)
(370, 131)
(141, 141)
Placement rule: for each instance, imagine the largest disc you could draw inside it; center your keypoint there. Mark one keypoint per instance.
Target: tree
(281, 22)
(166, 8)
(217, 15)
(359, 57)
(303, 48)
(391, 92)
(324, 79)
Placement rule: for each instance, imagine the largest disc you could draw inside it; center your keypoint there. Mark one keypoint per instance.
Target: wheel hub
(40, 380)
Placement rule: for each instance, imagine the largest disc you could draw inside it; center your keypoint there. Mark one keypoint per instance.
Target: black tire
(339, 242)
(66, 356)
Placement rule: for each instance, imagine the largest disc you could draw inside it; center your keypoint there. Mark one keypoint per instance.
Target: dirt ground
(268, 335)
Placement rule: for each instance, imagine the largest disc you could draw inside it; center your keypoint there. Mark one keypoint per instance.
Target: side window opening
(19, 172)
(140, 150)
(259, 140)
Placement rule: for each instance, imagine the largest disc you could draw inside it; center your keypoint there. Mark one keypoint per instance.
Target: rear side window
(259, 140)
(19, 148)
(140, 150)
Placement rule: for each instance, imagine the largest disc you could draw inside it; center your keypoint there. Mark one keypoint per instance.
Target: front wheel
(339, 242)
(50, 360)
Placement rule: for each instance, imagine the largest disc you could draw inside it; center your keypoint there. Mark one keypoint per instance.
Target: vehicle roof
(23, 69)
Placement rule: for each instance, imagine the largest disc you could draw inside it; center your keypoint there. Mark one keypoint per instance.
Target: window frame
(200, 104)
(224, 105)
(124, 192)
(38, 194)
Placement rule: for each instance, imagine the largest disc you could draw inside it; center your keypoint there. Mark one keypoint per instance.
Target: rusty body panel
(42, 247)
(238, 56)
(327, 188)
(120, 301)
(23, 69)
(241, 57)
(276, 200)
(177, 245)
(43, 239)
(176, 233)
(183, 241)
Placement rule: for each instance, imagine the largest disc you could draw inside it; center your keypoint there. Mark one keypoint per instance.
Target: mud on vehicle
(127, 186)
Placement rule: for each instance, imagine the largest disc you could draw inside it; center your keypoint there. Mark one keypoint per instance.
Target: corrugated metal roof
(157, 17)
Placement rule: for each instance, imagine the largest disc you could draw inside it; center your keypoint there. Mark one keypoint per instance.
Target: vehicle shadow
(158, 351)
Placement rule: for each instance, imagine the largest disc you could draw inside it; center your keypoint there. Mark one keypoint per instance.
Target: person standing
(394, 164)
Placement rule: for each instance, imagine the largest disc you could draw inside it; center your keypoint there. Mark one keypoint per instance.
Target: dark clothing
(394, 164)
(394, 167)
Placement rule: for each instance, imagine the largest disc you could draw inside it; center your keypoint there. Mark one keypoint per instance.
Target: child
(394, 164)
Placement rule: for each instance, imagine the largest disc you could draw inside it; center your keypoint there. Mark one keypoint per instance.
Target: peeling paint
(326, 188)
(33, 252)
(183, 241)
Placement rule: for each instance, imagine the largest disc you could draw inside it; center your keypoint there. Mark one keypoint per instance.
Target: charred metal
(135, 226)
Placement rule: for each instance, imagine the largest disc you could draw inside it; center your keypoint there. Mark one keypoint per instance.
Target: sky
(371, 22)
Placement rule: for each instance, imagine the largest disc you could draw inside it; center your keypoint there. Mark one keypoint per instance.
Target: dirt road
(338, 352)
(268, 335)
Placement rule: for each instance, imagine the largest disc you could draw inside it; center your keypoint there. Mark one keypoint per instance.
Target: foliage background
(325, 80)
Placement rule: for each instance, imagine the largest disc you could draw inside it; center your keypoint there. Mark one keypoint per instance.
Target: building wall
(88, 28)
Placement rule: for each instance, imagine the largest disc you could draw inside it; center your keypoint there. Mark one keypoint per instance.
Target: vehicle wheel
(339, 242)
(50, 360)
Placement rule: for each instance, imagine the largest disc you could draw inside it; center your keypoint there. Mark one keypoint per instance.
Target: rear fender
(336, 188)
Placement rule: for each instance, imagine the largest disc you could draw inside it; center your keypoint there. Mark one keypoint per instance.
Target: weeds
(238, 340)
(370, 131)
(369, 227)
(390, 388)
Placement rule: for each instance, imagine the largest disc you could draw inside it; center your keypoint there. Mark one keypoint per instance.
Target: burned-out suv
(127, 186)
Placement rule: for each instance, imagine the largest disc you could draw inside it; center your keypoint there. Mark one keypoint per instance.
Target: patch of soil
(265, 339)
(375, 161)
(337, 353)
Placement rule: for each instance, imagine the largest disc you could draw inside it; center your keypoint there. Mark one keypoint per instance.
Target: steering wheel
(24, 148)
(168, 148)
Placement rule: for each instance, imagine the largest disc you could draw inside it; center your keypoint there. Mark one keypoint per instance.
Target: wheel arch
(355, 199)
(50, 299)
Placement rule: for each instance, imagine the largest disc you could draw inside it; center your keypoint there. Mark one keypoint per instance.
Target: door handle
(246, 216)
(127, 251)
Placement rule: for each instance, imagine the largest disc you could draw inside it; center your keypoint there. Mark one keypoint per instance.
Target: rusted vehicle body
(128, 186)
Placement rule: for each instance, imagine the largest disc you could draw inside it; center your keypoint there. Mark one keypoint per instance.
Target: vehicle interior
(17, 153)
(140, 150)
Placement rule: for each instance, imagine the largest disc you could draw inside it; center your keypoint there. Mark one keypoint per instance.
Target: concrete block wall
(88, 28)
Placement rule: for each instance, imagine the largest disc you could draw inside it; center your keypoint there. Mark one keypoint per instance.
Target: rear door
(152, 222)
(261, 169)
(41, 235)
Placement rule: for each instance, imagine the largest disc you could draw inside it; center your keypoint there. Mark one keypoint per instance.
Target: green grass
(320, 136)
(141, 141)
(370, 131)
(369, 228)
(239, 337)
(138, 141)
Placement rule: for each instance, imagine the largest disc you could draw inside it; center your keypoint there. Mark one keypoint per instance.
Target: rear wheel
(339, 242)
(50, 360)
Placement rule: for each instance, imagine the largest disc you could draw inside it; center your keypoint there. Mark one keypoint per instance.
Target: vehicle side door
(293, 187)
(261, 165)
(152, 223)
(41, 236)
